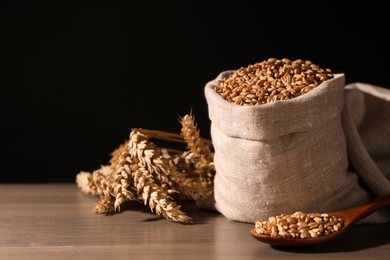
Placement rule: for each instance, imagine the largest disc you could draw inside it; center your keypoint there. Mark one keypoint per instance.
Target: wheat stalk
(158, 177)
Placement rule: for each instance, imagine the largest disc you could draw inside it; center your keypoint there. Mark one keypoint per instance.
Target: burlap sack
(366, 123)
(283, 156)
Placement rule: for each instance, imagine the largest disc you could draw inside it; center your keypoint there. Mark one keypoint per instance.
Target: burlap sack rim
(374, 90)
(253, 118)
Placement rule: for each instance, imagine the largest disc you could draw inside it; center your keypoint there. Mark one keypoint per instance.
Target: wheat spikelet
(82, 181)
(100, 182)
(161, 203)
(198, 161)
(105, 205)
(149, 156)
(117, 153)
(191, 185)
(191, 135)
(121, 180)
(154, 177)
(97, 183)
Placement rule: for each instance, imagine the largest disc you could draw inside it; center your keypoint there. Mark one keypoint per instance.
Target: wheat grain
(299, 225)
(272, 80)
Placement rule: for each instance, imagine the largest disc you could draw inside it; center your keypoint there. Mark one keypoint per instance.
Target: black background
(77, 76)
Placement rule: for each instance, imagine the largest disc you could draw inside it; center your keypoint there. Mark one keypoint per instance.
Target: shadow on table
(199, 216)
(357, 238)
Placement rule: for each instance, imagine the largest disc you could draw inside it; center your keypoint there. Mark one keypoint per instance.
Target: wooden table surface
(56, 221)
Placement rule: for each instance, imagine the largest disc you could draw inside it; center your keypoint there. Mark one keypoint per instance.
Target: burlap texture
(283, 156)
(366, 123)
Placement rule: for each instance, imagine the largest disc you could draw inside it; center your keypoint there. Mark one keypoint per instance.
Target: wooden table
(56, 221)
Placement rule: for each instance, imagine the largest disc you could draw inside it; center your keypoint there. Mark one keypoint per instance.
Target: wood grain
(56, 221)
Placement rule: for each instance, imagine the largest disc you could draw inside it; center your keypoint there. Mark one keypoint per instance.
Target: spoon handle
(358, 213)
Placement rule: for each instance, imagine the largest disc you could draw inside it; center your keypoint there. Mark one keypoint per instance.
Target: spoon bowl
(350, 217)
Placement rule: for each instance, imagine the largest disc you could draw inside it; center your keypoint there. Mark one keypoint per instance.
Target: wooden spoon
(350, 217)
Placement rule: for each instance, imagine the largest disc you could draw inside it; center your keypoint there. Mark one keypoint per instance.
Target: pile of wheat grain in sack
(289, 135)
